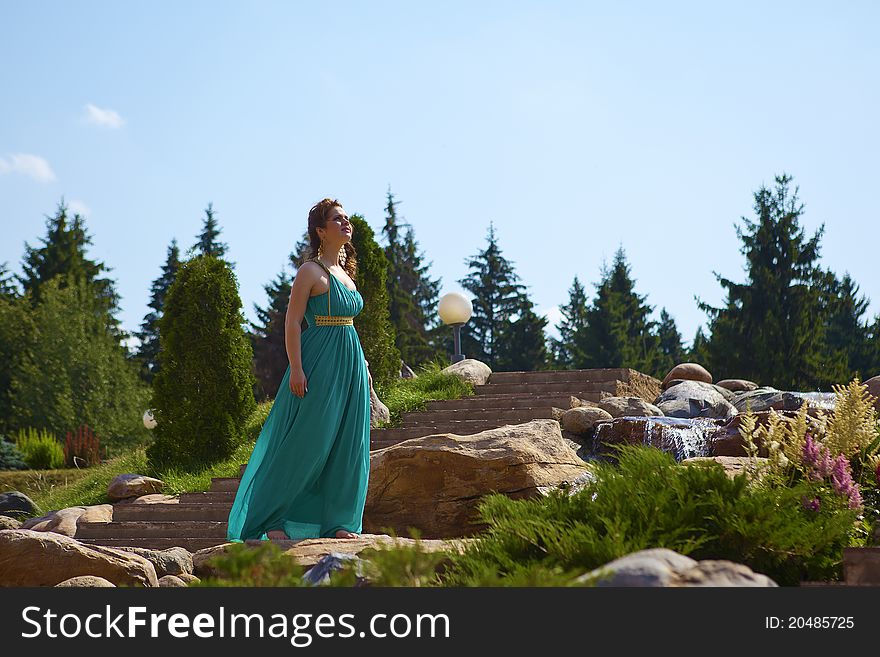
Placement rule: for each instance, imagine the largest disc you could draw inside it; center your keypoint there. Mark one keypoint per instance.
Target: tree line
(791, 323)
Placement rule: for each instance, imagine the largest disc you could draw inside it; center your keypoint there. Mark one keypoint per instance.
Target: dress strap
(329, 282)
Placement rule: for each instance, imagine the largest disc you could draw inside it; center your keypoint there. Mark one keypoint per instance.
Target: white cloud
(105, 117)
(29, 165)
(78, 207)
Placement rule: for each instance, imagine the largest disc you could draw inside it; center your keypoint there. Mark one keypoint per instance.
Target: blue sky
(574, 127)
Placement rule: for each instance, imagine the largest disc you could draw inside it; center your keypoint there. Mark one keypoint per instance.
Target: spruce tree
(523, 345)
(699, 349)
(64, 254)
(565, 352)
(208, 241)
(618, 331)
(496, 297)
(847, 335)
(412, 296)
(148, 352)
(771, 329)
(8, 287)
(670, 345)
(268, 337)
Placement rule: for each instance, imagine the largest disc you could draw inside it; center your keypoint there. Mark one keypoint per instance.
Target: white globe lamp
(455, 309)
(149, 420)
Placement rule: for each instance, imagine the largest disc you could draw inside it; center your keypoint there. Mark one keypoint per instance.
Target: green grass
(58, 489)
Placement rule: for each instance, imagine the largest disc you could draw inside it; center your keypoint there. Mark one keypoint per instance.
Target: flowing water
(823, 400)
(683, 438)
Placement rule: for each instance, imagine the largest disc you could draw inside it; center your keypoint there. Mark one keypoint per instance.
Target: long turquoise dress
(309, 469)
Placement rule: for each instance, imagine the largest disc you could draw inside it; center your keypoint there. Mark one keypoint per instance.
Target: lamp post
(455, 309)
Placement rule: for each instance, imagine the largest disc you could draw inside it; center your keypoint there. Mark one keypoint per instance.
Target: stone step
(152, 529)
(861, 566)
(576, 388)
(169, 512)
(191, 544)
(506, 415)
(207, 497)
(384, 437)
(507, 401)
(221, 484)
(592, 376)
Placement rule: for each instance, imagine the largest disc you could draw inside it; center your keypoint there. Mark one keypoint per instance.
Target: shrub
(40, 449)
(11, 457)
(203, 392)
(264, 565)
(82, 449)
(647, 500)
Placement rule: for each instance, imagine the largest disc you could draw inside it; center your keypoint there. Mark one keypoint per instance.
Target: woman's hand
(297, 382)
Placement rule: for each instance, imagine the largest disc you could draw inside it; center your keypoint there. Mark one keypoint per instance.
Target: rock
(653, 567)
(733, 465)
(722, 573)
(379, 412)
(435, 482)
(65, 521)
(692, 399)
(583, 419)
(132, 485)
(202, 567)
(87, 580)
(311, 550)
(152, 498)
(406, 372)
(470, 370)
(557, 413)
(737, 385)
(15, 504)
(659, 567)
(728, 441)
(171, 581)
(187, 578)
(763, 399)
(170, 561)
(9, 523)
(689, 372)
(320, 572)
(628, 407)
(30, 558)
(873, 385)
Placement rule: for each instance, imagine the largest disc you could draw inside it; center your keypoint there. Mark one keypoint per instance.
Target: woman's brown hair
(318, 219)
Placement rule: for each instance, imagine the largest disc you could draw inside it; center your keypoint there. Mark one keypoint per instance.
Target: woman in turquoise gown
(308, 473)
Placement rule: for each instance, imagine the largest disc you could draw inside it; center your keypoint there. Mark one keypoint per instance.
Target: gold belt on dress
(334, 320)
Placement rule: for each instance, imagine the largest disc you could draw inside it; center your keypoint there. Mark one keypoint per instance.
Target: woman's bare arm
(305, 279)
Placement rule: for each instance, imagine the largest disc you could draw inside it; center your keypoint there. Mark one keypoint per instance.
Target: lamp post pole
(456, 333)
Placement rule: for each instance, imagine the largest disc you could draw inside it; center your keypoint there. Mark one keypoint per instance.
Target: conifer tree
(523, 345)
(412, 295)
(64, 254)
(148, 352)
(670, 345)
(268, 337)
(618, 332)
(847, 336)
(208, 241)
(8, 287)
(771, 329)
(497, 296)
(565, 352)
(699, 349)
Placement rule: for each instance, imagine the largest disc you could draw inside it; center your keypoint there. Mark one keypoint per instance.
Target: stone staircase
(198, 520)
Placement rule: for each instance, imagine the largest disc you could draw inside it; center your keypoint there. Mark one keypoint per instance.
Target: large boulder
(691, 399)
(628, 407)
(582, 419)
(132, 485)
(763, 399)
(9, 523)
(65, 521)
(660, 567)
(737, 385)
(16, 505)
(688, 372)
(434, 483)
(471, 370)
(170, 561)
(379, 413)
(29, 558)
(86, 581)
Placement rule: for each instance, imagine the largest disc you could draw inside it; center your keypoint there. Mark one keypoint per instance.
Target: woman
(307, 476)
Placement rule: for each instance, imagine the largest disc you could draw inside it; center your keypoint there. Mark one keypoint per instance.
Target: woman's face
(338, 226)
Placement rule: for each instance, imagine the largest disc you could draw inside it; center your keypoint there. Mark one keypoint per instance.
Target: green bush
(647, 500)
(264, 565)
(11, 457)
(203, 393)
(40, 449)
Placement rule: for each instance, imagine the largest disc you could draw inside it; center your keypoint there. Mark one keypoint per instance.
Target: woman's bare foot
(278, 535)
(344, 533)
